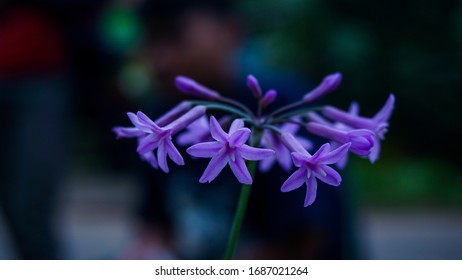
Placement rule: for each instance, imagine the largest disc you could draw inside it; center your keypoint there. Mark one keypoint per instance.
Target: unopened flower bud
(191, 87)
(330, 83)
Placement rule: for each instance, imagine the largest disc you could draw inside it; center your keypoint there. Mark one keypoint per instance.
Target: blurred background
(70, 70)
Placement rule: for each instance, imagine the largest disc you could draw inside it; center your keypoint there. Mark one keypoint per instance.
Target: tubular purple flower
(160, 138)
(347, 118)
(229, 148)
(191, 87)
(254, 86)
(354, 109)
(328, 84)
(131, 132)
(127, 132)
(173, 114)
(315, 117)
(362, 140)
(155, 138)
(312, 167)
(269, 97)
(288, 139)
(378, 123)
(186, 119)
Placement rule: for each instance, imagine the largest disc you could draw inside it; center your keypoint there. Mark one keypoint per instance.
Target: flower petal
(186, 138)
(235, 125)
(239, 137)
(162, 157)
(173, 153)
(197, 132)
(311, 189)
(323, 151)
(217, 132)
(127, 132)
(375, 151)
(148, 143)
(295, 180)
(149, 157)
(266, 164)
(252, 153)
(335, 155)
(292, 144)
(240, 170)
(299, 159)
(285, 159)
(205, 150)
(342, 162)
(216, 164)
(384, 114)
(331, 176)
(136, 122)
(147, 122)
(272, 141)
(307, 144)
(362, 141)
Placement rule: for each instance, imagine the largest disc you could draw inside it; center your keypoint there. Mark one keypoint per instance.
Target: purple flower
(130, 132)
(314, 166)
(160, 138)
(328, 84)
(282, 155)
(155, 138)
(378, 123)
(269, 97)
(362, 140)
(254, 86)
(229, 148)
(354, 109)
(191, 87)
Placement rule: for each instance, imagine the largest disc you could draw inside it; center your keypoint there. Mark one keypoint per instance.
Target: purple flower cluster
(268, 137)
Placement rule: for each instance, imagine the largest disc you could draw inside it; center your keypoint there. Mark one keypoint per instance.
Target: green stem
(285, 109)
(287, 115)
(240, 214)
(238, 105)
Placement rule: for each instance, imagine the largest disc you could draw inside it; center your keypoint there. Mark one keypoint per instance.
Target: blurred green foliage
(404, 181)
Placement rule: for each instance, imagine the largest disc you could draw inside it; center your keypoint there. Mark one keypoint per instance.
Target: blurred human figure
(33, 109)
(184, 219)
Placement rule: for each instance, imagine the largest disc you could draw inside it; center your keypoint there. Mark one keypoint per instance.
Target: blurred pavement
(96, 221)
